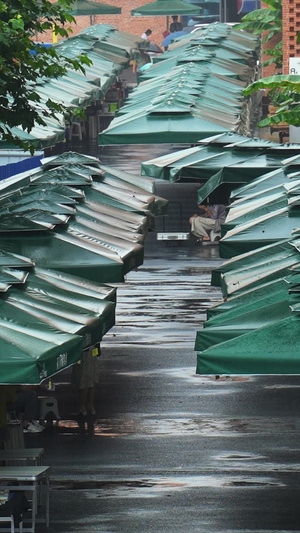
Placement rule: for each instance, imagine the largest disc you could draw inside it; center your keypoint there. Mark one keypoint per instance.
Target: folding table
(26, 455)
(27, 478)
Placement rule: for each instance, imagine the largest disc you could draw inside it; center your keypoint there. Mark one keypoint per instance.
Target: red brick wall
(269, 70)
(291, 26)
(124, 21)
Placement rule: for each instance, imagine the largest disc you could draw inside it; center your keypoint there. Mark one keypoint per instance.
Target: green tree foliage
(20, 22)
(267, 21)
(287, 89)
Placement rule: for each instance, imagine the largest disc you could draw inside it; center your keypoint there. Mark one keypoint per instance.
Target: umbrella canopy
(254, 330)
(228, 329)
(88, 7)
(46, 319)
(166, 7)
(110, 52)
(86, 220)
(29, 354)
(202, 163)
(269, 350)
(153, 48)
(208, 3)
(253, 268)
(172, 36)
(249, 299)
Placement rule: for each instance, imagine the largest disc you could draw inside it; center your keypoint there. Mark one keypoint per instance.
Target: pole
(223, 11)
(54, 35)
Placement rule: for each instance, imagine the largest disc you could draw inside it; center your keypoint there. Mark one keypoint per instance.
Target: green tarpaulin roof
(89, 7)
(203, 163)
(268, 350)
(84, 240)
(46, 320)
(253, 268)
(166, 7)
(156, 108)
(243, 323)
(29, 354)
(254, 330)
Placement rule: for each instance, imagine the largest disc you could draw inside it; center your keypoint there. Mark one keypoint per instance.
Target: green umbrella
(243, 323)
(271, 349)
(166, 7)
(253, 268)
(88, 7)
(161, 127)
(248, 300)
(30, 354)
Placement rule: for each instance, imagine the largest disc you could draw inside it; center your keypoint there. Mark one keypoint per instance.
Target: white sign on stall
(294, 67)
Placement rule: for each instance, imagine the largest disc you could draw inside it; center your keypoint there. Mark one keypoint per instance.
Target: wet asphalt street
(170, 451)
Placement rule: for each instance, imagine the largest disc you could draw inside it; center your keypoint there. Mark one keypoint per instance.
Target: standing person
(85, 376)
(175, 25)
(209, 219)
(146, 34)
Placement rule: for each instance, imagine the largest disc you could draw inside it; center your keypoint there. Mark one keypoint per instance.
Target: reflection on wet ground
(146, 425)
(164, 303)
(136, 488)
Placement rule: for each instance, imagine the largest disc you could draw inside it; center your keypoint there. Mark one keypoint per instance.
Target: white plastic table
(27, 478)
(34, 455)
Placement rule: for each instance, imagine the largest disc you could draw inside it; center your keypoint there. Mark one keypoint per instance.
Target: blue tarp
(20, 166)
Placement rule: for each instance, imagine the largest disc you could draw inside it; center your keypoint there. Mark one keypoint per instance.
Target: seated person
(209, 219)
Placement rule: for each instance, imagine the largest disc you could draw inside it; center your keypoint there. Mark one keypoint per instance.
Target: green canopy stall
(256, 267)
(166, 7)
(88, 7)
(30, 354)
(270, 349)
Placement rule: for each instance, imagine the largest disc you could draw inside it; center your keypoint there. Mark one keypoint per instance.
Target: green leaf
(280, 81)
(20, 21)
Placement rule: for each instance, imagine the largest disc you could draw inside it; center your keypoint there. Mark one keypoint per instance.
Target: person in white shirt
(146, 34)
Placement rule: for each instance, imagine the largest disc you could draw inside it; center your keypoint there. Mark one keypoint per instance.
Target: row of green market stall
(255, 329)
(110, 51)
(66, 229)
(192, 91)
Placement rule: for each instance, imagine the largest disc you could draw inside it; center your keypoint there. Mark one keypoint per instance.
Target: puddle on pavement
(235, 457)
(154, 487)
(188, 374)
